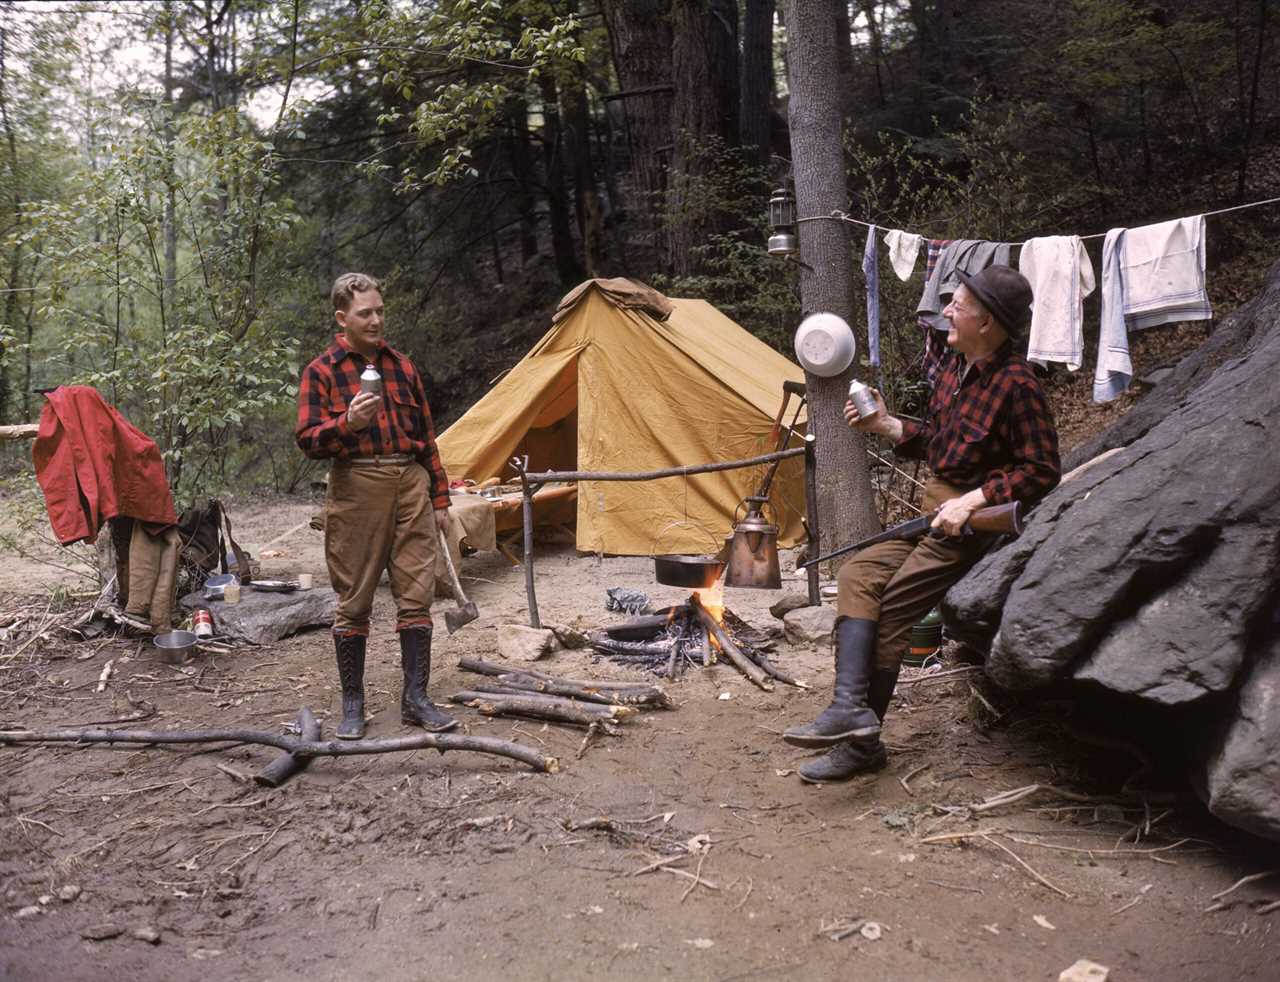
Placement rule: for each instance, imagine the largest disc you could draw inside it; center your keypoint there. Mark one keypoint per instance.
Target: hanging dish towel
(1163, 270)
(1114, 370)
(872, 272)
(1061, 276)
(968, 255)
(903, 249)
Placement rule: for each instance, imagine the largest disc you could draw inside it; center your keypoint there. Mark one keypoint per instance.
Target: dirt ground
(416, 865)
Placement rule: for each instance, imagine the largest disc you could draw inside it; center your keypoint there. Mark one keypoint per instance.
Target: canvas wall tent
(613, 388)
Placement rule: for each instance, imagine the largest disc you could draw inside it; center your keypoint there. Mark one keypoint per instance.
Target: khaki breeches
(897, 583)
(379, 517)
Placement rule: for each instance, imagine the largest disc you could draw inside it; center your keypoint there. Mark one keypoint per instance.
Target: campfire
(698, 632)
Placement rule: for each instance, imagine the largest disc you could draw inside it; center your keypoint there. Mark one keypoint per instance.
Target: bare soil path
(414, 866)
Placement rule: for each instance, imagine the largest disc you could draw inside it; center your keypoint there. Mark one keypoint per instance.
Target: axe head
(464, 614)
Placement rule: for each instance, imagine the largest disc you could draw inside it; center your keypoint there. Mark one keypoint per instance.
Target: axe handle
(459, 597)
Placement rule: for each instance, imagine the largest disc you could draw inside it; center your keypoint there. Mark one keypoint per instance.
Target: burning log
(541, 707)
(745, 665)
(690, 633)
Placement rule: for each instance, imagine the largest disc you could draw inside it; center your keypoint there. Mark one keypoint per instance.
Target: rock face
(262, 617)
(1154, 572)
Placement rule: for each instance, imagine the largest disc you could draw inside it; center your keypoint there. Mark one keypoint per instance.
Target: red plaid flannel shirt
(403, 425)
(990, 428)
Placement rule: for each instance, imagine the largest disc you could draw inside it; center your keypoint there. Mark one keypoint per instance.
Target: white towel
(1114, 370)
(903, 249)
(1163, 268)
(1061, 276)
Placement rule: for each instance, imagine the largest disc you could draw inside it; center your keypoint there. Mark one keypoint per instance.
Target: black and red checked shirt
(989, 427)
(403, 424)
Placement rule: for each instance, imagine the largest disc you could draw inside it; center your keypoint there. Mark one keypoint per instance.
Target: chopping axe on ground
(466, 611)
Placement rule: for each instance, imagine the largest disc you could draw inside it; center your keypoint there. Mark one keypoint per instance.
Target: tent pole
(521, 464)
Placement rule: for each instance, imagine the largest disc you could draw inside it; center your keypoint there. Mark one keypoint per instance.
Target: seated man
(989, 439)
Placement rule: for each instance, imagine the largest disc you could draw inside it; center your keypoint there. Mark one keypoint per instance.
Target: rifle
(999, 519)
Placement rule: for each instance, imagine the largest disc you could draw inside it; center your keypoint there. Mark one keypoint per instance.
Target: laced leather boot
(350, 650)
(848, 717)
(852, 757)
(415, 659)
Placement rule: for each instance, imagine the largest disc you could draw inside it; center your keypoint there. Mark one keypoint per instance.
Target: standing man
(388, 497)
(989, 439)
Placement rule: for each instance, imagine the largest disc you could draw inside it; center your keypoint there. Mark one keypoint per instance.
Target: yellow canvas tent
(611, 387)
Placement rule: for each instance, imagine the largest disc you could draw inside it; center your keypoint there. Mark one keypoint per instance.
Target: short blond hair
(346, 286)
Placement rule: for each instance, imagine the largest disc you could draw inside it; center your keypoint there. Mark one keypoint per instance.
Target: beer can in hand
(371, 380)
(202, 622)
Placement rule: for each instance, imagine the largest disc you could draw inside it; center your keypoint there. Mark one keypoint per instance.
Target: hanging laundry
(967, 255)
(1061, 276)
(935, 348)
(1114, 370)
(903, 249)
(872, 272)
(1163, 270)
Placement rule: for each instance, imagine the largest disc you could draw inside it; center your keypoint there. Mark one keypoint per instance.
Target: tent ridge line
(684, 471)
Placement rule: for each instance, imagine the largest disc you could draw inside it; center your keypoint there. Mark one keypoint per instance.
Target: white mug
(304, 581)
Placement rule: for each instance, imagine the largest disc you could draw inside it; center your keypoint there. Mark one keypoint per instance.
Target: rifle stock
(994, 519)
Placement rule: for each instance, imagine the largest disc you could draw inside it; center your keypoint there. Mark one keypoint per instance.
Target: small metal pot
(698, 572)
(175, 645)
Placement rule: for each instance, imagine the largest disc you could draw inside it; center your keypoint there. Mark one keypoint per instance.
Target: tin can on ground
(202, 622)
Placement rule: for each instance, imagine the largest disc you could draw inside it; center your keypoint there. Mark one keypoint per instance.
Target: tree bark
(567, 267)
(845, 504)
(640, 42)
(523, 175)
(15, 257)
(756, 87)
(704, 70)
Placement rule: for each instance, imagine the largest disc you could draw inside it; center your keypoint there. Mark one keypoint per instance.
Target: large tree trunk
(640, 41)
(704, 70)
(845, 503)
(586, 202)
(557, 199)
(756, 107)
(523, 175)
(15, 257)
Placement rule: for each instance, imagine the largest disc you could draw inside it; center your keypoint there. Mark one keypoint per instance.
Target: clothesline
(836, 213)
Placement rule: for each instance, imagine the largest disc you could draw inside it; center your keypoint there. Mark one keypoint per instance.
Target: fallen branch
(287, 765)
(482, 667)
(1245, 881)
(298, 747)
(648, 695)
(1021, 862)
(541, 707)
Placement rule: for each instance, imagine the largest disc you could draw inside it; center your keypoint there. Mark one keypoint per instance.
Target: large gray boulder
(1153, 573)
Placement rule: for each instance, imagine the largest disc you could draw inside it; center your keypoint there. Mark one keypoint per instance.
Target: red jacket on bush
(93, 464)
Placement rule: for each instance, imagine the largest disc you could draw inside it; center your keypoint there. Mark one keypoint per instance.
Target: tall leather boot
(852, 757)
(415, 659)
(848, 716)
(350, 650)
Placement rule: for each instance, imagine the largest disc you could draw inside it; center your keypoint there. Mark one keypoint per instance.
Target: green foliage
(735, 273)
(189, 362)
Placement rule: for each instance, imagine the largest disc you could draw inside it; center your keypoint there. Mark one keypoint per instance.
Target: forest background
(180, 182)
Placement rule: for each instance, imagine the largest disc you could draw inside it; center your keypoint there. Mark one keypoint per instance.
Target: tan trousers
(897, 583)
(379, 516)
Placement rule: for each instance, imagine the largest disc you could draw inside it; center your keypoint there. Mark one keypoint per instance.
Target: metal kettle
(753, 550)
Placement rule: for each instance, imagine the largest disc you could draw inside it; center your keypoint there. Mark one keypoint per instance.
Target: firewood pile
(691, 633)
(519, 691)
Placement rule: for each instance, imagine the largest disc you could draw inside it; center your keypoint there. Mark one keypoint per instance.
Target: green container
(926, 639)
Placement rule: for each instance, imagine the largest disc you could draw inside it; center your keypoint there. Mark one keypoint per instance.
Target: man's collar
(988, 364)
(340, 339)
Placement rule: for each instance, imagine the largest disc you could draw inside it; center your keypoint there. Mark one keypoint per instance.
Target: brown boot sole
(817, 741)
(429, 727)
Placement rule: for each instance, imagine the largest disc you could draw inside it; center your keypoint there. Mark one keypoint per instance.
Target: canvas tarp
(611, 389)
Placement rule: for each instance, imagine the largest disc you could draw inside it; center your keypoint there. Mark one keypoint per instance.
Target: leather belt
(384, 459)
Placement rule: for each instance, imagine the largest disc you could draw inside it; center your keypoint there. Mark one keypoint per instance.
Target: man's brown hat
(1005, 293)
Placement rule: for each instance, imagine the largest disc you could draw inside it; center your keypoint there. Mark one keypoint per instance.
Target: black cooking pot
(699, 572)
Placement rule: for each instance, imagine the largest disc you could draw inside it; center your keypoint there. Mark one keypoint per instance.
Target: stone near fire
(810, 625)
(519, 642)
(263, 617)
(787, 603)
(1152, 574)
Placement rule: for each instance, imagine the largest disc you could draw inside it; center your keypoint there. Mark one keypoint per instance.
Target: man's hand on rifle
(954, 514)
